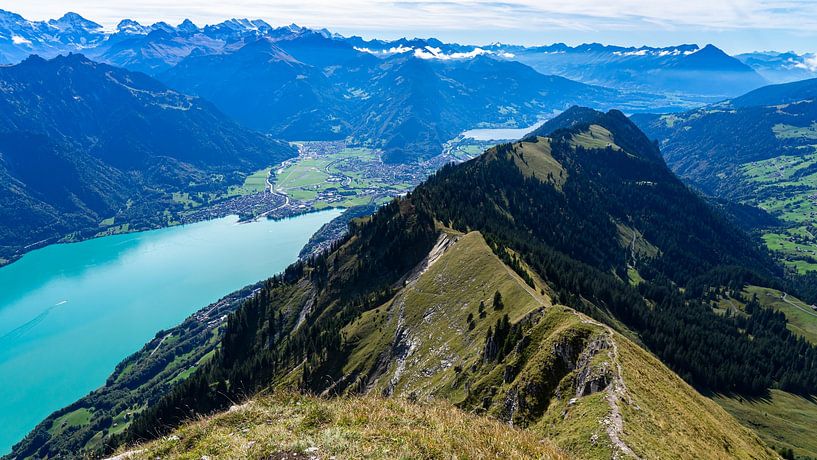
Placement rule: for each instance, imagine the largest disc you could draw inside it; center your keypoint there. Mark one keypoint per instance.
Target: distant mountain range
(690, 70)
(781, 67)
(303, 84)
(150, 49)
(696, 72)
(687, 69)
(316, 87)
(81, 142)
(156, 47)
(20, 37)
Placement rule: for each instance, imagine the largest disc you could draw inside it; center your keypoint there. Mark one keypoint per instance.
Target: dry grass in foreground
(300, 427)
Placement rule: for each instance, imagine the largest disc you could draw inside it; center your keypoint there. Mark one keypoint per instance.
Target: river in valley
(70, 312)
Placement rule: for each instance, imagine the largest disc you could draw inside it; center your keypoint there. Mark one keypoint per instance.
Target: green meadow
(346, 178)
(786, 187)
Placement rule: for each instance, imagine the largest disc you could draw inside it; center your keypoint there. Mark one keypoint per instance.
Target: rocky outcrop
(593, 376)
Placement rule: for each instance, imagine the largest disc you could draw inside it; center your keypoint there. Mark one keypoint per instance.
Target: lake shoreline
(208, 319)
(73, 311)
(74, 238)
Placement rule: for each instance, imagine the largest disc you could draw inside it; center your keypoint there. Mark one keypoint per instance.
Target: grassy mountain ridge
(595, 409)
(342, 323)
(523, 285)
(434, 352)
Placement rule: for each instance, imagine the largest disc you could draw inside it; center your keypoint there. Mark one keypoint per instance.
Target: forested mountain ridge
(81, 142)
(447, 336)
(476, 286)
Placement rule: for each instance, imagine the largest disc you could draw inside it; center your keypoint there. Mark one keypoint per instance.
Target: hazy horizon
(736, 26)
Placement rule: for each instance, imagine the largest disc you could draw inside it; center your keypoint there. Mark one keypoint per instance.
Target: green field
(782, 420)
(471, 150)
(71, 419)
(782, 131)
(346, 178)
(794, 252)
(466, 150)
(596, 137)
(802, 319)
(253, 183)
(786, 187)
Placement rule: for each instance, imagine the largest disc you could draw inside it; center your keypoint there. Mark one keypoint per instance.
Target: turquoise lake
(70, 312)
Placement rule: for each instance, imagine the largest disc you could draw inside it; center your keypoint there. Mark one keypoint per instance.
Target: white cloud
(393, 50)
(430, 52)
(18, 40)
(631, 53)
(661, 53)
(436, 53)
(809, 63)
(398, 50)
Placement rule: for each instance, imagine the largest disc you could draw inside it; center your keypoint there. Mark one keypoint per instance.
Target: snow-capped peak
(129, 26)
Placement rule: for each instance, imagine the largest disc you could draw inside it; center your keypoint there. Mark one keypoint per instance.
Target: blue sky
(735, 25)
